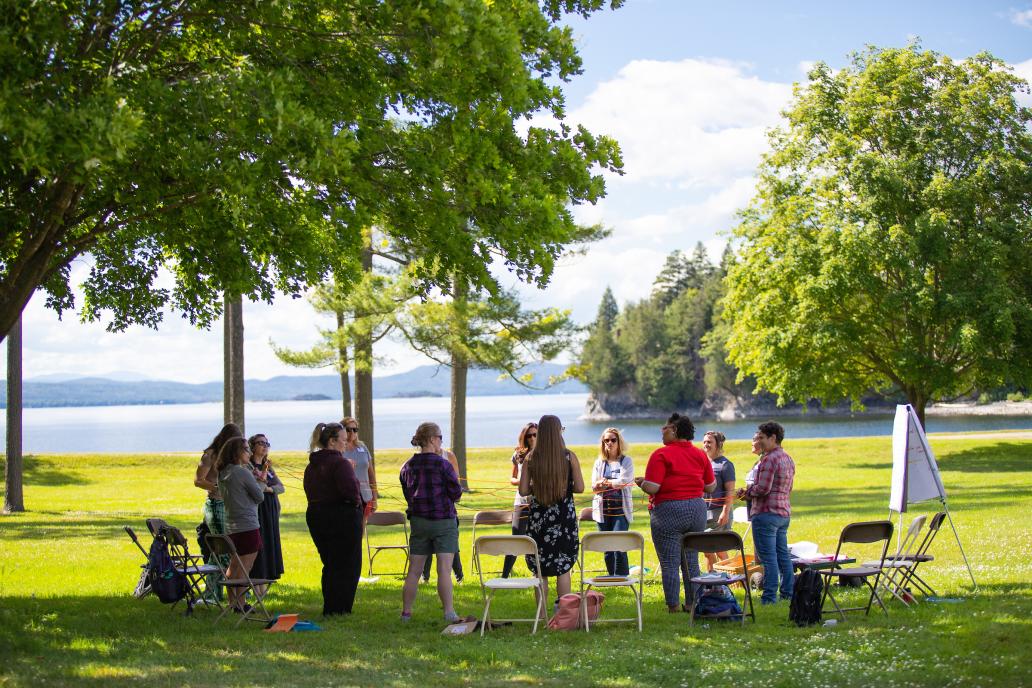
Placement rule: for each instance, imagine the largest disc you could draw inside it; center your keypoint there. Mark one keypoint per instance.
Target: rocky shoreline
(621, 407)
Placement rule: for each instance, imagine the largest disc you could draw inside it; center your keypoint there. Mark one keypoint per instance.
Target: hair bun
(414, 442)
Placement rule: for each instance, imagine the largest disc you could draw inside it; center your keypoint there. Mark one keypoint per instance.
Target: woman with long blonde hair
(551, 476)
(612, 507)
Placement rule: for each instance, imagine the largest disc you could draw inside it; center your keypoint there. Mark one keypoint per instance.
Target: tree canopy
(243, 146)
(889, 242)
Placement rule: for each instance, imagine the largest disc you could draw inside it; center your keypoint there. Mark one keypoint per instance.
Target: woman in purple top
(334, 517)
(431, 488)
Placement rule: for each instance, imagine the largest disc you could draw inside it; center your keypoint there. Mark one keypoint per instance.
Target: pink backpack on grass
(568, 618)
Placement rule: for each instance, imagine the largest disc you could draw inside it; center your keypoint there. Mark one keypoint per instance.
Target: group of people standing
(690, 489)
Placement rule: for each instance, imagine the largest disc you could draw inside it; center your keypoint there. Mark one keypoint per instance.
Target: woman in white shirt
(612, 507)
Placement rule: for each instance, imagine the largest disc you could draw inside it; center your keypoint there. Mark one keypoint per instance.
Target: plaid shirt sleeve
(774, 478)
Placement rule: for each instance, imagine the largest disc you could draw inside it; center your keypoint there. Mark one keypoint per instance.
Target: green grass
(67, 618)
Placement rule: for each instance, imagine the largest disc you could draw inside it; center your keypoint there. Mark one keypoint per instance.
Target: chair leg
(827, 594)
(487, 616)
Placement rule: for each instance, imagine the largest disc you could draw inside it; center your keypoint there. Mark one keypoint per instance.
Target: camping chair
(488, 518)
(143, 587)
(192, 566)
(865, 532)
(895, 568)
(612, 541)
(385, 519)
(224, 549)
(500, 546)
(721, 541)
(921, 555)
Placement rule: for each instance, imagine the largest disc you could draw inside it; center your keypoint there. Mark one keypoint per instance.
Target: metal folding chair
(612, 541)
(865, 532)
(224, 549)
(386, 519)
(512, 545)
(896, 567)
(921, 556)
(192, 566)
(488, 518)
(721, 541)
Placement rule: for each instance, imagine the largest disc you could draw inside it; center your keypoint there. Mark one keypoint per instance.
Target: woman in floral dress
(550, 478)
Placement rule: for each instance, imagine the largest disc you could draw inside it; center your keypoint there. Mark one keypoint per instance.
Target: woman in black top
(269, 563)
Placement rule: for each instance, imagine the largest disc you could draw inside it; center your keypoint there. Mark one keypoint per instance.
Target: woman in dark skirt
(269, 563)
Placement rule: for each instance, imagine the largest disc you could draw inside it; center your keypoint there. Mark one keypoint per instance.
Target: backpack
(166, 582)
(805, 609)
(567, 617)
(716, 601)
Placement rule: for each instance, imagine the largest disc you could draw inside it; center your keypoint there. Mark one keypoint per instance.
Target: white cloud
(1024, 70)
(696, 122)
(1022, 18)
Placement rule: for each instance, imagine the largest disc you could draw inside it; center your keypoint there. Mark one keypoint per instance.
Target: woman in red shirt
(677, 475)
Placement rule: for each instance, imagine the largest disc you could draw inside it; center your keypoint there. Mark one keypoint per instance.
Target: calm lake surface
(491, 422)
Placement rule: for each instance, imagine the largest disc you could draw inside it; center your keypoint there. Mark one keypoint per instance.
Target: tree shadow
(45, 472)
(992, 457)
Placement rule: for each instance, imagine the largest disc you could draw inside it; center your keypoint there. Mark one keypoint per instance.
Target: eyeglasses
(350, 429)
(610, 440)
(262, 443)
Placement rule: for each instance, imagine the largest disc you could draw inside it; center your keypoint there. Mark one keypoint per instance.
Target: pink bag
(567, 617)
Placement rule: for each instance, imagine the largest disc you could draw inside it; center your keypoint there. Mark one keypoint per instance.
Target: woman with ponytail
(334, 517)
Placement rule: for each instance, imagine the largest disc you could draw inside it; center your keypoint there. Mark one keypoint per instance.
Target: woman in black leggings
(334, 517)
(525, 442)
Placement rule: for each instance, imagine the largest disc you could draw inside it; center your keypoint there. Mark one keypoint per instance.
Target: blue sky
(688, 88)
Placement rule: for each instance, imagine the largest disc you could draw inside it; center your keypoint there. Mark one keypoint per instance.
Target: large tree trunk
(343, 366)
(364, 372)
(459, 370)
(233, 362)
(13, 499)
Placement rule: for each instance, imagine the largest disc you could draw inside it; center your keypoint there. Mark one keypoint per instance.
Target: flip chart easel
(915, 473)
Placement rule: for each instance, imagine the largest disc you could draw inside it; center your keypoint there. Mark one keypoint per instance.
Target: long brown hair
(549, 470)
(230, 452)
(522, 443)
(228, 431)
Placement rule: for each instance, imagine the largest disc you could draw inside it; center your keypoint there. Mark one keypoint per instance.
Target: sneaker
(405, 618)
(246, 608)
(452, 618)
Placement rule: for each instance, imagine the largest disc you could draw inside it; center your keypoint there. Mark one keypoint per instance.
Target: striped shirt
(774, 477)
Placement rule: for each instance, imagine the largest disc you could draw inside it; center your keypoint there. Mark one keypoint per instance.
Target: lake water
(490, 422)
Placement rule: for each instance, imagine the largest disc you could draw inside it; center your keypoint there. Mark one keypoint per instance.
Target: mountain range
(428, 380)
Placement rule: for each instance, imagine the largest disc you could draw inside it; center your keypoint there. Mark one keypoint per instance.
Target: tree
(470, 329)
(889, 242)
(602, 364)
(14, 500)
(242, 146)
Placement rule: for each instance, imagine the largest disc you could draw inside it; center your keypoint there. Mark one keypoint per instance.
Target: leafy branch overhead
(243, 147)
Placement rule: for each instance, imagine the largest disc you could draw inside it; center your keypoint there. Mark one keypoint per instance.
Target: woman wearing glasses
(361, 458)
(524, 444)
(611, 479)
(334, 517)
(269, 563)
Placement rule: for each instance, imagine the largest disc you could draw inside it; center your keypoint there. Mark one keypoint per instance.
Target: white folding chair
(488, 518)
(612, 541)
(500, 546)
(386, 519)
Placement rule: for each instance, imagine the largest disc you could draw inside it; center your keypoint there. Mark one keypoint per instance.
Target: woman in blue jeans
(611, 480)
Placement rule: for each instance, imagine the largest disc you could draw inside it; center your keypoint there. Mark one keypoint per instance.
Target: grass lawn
(67, 570)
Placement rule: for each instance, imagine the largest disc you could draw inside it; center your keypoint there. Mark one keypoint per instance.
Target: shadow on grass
(993, 457)
(45, 473)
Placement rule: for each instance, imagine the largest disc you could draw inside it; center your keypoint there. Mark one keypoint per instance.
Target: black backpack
(805, 609)
(165, 581)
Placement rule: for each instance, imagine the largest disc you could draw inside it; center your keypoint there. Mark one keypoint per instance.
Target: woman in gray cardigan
(241, 495)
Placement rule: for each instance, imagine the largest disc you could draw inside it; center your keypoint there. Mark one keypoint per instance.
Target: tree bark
(343, 366)
(13, 498)
(233, 361)
(364, 372)
(459, 371)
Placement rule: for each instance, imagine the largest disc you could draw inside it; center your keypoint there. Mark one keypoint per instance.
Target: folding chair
(721, 541)
(612, 541)
(896, 567)
(224, 549)
(921, 556)
(500, 546)
(588, 516)
(865, 532)
(386, 519)
(192, 566)
(143, 587)
(488, 518)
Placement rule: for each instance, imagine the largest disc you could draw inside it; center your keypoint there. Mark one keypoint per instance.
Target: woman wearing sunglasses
(612, 507)
(524, 444)
(356, 451)
(269, 563)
